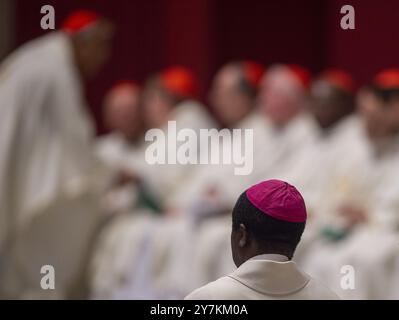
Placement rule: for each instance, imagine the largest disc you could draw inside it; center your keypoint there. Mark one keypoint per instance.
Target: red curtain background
(204, 34)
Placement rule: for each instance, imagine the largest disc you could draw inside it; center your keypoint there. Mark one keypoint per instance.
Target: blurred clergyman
(123, 118)
(338, 135)
(283, 98)
(268, 221)
(233, 100)
(48, 169)
(121, 148)
(366, 204)
(234, 90)
(171, 96)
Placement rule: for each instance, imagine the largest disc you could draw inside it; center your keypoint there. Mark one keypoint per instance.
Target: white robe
(273, 151)
(118, 154)
(371, 248)
(264, 277)
(159, 234)
(46, 163)
(194, 259)
(165, 179)
(276, 148)
(323, 170)
(219, 177)
(114, 269)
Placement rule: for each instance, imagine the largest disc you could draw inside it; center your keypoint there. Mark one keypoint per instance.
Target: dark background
(204, 34)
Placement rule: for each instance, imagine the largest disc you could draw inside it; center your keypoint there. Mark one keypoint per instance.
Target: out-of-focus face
(157, 106)
(381, 119)
(393, 116)
(229, 102)
(280, 97)
(372, 112)
(122, 111)
(93, 47)
(327, 104)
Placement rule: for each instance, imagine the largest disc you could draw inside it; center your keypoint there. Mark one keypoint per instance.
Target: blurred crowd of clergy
(114, 226)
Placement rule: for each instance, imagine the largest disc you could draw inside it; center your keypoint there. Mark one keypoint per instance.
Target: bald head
(232, 95)
(282, 95)
(122, 110)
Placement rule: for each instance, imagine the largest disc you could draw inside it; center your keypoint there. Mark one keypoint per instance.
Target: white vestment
(165, 179)
(324, 168)
(370, 248)
(275, 148)
(116, 152)
(264, 277)
(220, 177)
(120, 155)
(155, 237)
(47, 166)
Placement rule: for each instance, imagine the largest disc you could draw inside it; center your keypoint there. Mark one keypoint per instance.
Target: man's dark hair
(385, 95)
(243, 84)
(247, 88)
(344, 99)
(273, 235)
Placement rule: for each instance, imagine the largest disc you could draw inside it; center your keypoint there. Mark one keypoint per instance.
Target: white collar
(271, 257)
(271, 277)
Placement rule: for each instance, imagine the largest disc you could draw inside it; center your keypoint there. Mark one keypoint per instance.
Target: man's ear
(242, 236)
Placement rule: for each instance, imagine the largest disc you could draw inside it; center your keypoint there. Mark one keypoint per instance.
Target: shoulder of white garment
(304, 123)
(110, 148)
(259, 278)
(279, 277)
(44, 65)
(254, 120)
(44, 52)
(192, 114)
(224, 288)
(350, 127)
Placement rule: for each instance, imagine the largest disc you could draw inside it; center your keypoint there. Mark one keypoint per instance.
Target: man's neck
(263, 252)
(271, 257)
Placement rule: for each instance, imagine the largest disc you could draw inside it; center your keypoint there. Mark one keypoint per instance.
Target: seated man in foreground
(268, 221)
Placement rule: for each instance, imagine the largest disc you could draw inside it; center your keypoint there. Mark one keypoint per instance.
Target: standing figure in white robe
(49, 175)
(268, 221)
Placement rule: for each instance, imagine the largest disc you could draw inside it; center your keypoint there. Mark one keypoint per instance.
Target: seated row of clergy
(211, 189)
(51, 180)
(360, 216)
(353, 201)
(233, 98)
(349, 177)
